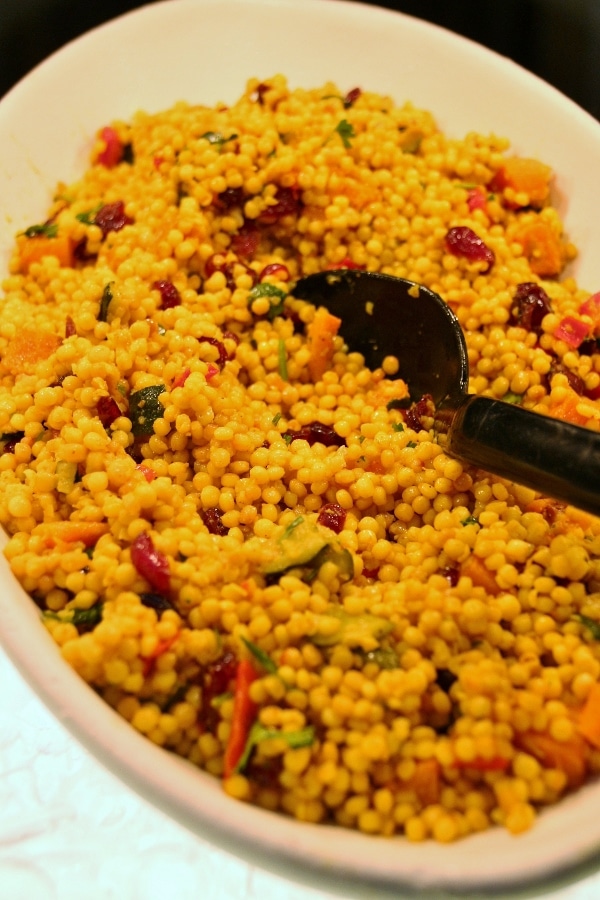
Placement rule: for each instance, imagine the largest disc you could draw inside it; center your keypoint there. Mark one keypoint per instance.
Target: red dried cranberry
(371, 573)
(351, 97)
(229, 198)
(232, 336)
(531, 303)
(462, 241)
(70, 329)
(413, 416)
(223, 355)
(212, 519)
(576, 383)
(245, 242)
(332, 516)
(316, 433)
(451, 574)
(151, 563)
(80, 251)
(112, 217)
(282, 272)
(169, 295)
(288, 202)
(108, 411)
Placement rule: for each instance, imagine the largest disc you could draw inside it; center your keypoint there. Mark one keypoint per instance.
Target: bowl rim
(278, 843)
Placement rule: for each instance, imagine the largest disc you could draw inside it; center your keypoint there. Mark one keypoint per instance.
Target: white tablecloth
(70, 830)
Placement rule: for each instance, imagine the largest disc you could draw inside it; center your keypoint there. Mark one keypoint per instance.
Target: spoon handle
(543, 453)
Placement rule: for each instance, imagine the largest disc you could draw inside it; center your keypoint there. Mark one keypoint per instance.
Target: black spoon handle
(546, 454)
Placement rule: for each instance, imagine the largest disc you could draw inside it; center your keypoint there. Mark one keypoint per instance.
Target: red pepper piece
(151, 563)
(244, 713)
(113, 148)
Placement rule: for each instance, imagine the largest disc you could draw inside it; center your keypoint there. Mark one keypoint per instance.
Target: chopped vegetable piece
(244, 713)
(145, 408)
(426, 782)
(567, 756)
(527, 179)
(572, 331)
(297, 545)
(66, 473)
(542, 247)
(304, 737)
(591, 624)
(71, 532)
(151, 563)
(321, 342)
(346, 131)
(588, 722)
(276, 297)
(36, 248)
(107, 296)
(474, 568)
(113, 151)
(27, 349)
(364, 631)
(262, 658)
(47, 229)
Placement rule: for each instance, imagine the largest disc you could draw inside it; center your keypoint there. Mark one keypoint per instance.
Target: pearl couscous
(253, 547)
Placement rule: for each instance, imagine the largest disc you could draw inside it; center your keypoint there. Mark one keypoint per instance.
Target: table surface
(69, 829)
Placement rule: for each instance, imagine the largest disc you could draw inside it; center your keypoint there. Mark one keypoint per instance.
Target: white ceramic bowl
(204, 51)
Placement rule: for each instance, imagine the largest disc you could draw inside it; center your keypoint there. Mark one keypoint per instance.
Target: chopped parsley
(217, 139)
(346, 131)
(470, 520)
(262, 658)
(591, 624)
(275, 295)
(107, 296)
(304, 737)
(48, 229)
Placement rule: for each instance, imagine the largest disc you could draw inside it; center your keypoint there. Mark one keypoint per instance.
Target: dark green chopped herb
(47, 229)
(361, 438)
(398, 426)
(291, 527)
(276, 418)
(591, 624)
(346, 131)
(81, 618)
(276, 298)
(412, 444)
(294, 739)
(282, 360)
(88, 217)
(470, 520)
(217, 139)
(145, 408)
(262, 658)
(107, 296)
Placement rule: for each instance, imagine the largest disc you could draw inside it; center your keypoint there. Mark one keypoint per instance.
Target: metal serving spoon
(387, 316)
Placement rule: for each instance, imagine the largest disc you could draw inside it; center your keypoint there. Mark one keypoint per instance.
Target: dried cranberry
(316, 433)
(112, 217)
(108, 411)
(413, 416)
(288, 202)
(151, 563)
(156, 602)
(245, 242)
(169, 295)
(462, 241)
(576, 383)
(232, 336)
(451, 574)
(212, 519)
(351, 97)
(80, 251)
(531, 304)
(223, 355)
(371, 573)
(229, 198)
(10, 441)
(70, 329)
(282, 272)
(332, 516)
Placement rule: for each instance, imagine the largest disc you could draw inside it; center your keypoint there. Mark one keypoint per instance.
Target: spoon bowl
(387, 316)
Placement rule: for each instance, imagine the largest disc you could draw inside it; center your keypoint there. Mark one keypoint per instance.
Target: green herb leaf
(470, 520)
(107, 296)
(217, 139)
(276, 418)
(276, 297)
(145, 408)
(511, 397)
(591, 624)
(412, 444)
(88, 217)
(304, 737)
(289, 528)
(282, 360)
(398, 426)
(48, 229)
(346, 131)
(262, 658)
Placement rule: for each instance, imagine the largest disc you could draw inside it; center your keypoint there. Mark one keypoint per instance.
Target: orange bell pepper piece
(321, 333)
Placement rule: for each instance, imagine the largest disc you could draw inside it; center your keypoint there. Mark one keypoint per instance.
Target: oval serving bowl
(203, 51)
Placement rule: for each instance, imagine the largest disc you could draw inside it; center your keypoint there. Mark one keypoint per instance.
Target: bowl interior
(203, 51)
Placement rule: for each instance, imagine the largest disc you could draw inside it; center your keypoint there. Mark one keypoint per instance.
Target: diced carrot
(542, 247)
(567, 409)
(474, 568)
(524, 176)
(321, 334)
(35, 248)
(244, 713)
(425, 781)
(27, 349)
(588, 722)
(567, 756)
(86, 533)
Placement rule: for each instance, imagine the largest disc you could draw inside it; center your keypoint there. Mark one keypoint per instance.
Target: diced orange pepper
(35, 248)
(567, 409)
(589, 717)
(86, 533)
(474, 568)
(542, 247)
(524, 176)
(321, 334)
(567, 756)
(425, 781)
(27, 349)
